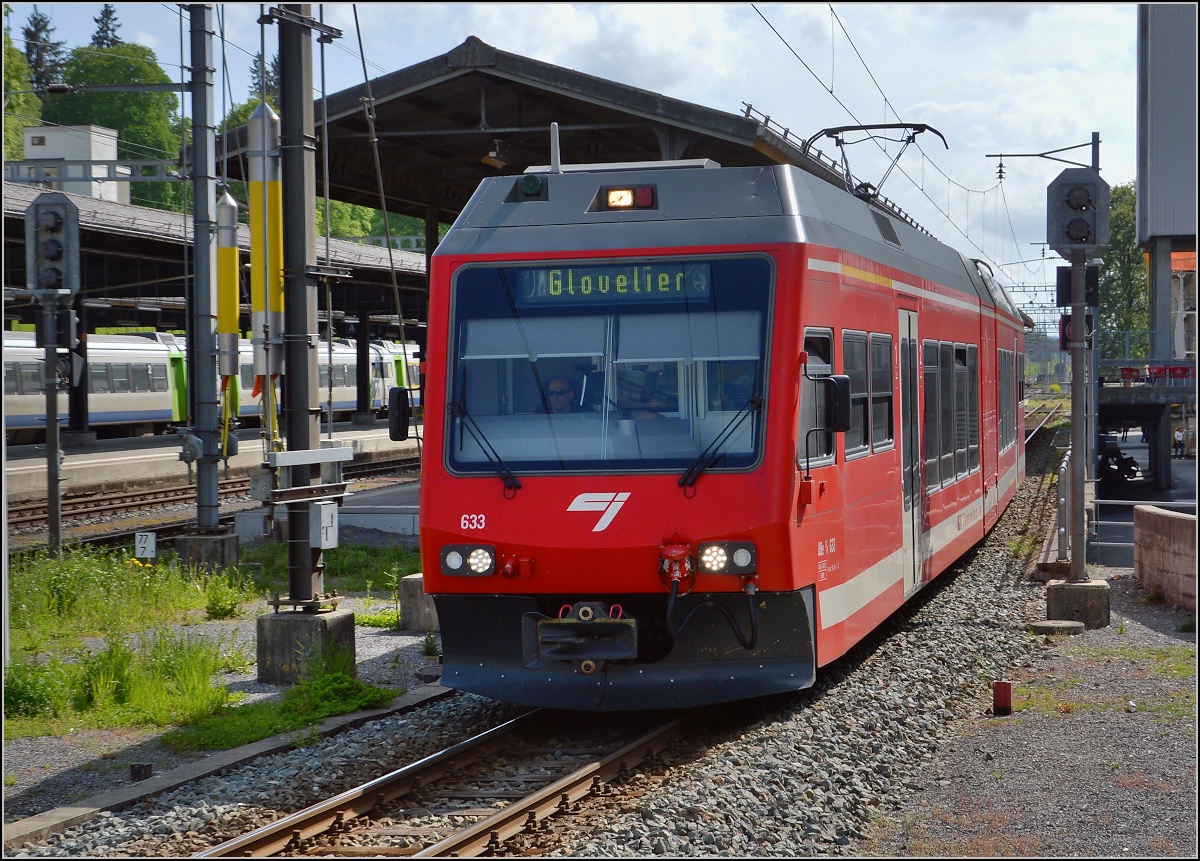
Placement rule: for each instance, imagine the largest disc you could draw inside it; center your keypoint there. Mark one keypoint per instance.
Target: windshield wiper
(709, 456)
(459, 410)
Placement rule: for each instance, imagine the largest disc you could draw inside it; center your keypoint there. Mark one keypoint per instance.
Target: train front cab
(591, 520)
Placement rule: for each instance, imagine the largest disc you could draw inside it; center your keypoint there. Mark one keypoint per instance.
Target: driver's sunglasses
(557, 393)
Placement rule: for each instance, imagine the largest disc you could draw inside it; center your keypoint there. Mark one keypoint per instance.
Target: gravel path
(893, 753)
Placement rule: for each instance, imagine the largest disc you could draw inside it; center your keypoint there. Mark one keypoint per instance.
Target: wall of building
(1164, 554)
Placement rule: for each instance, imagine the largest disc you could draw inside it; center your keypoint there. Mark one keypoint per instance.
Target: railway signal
(1077, 212)
(52, 244)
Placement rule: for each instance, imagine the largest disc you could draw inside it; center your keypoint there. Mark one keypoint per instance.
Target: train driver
(560, 395)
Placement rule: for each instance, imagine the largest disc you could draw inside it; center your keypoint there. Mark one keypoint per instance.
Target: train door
(910, 449)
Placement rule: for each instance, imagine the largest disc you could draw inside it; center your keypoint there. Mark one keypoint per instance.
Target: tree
(21, 109)
(106, 28)
(1124, 285)
(143, 121)
(44, 55)
(272, 81)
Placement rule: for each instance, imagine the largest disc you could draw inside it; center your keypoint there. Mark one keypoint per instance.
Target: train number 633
(473, 521)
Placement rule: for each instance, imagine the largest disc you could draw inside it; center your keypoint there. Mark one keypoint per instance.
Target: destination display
(628, 283)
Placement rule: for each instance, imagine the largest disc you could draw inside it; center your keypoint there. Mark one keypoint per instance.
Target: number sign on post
(145, 546)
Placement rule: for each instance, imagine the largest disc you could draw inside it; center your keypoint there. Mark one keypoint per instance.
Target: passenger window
(120, 378)
(815, 401)
(961, 389)
(973, 408)
(932, 411)
(141, 377)
(31, 378)
(946, 431)
(882, 429)
(158, 378)
(10, 378)
(854, 364)
(246, 372)
(98, 374)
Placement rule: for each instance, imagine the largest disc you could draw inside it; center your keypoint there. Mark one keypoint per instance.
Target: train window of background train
(120, 378)
(854, 365)
(141, 377)
(31, 377)
(10, 378)
(946, 417)
(246, 373)
(973, 409)
(960, 410)
(882, 425)
(98, 375)
(158, 378)
(814, 398)
(930, 418)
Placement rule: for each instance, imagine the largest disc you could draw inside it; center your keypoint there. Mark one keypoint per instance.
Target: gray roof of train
(699, 206)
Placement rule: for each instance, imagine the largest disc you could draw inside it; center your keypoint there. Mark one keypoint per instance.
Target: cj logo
(609, 503)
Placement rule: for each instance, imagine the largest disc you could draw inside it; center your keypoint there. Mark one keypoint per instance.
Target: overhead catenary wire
(369, 111)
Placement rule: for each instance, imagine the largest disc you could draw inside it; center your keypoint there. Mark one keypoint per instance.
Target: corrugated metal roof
(106, 216)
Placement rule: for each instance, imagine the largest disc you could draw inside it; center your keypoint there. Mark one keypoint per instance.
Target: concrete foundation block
(208, 552)
(1086, 601)
(287, 642)
(417, 611)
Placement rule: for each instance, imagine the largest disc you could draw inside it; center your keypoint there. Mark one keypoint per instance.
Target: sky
(992, 78)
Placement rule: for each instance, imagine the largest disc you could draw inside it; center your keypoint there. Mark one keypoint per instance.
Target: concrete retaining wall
(1164, 553)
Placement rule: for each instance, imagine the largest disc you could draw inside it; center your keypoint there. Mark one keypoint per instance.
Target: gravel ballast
(894, 752)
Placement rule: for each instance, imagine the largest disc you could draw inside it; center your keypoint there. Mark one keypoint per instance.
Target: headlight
(468, 560)
(728, 557)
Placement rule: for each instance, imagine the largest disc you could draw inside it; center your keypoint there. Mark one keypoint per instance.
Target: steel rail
(489, 834)
(335, 812)
(1053, 411)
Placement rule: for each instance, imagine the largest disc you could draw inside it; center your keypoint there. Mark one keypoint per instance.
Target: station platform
(118, 464)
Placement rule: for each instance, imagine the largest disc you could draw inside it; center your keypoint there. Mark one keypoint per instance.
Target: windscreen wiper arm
(709, 456)
(459, 410)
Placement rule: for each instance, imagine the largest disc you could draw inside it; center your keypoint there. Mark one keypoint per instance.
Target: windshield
(625, 365)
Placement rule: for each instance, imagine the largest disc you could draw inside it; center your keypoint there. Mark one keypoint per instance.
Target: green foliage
(42, 51)
(383, 619)
(143, 121)
(1187, 626)
(33, 690)
(1124, 289)
(348, 568)
(22, 108)
(224, 594)
(106, 28)
(430, 646)
(54, 603)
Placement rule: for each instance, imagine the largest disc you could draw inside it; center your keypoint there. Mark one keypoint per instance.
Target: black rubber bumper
(482, 653)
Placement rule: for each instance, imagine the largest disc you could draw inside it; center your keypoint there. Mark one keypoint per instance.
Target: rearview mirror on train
(841, 403)
(400, 413)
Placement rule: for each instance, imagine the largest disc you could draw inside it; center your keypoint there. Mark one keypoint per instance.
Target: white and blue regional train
(137, 384)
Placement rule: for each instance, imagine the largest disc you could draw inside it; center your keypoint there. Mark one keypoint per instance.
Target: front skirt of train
(620, 654)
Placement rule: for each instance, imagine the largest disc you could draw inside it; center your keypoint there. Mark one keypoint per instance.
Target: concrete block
(417, 611)
(287, 642)
(1086, 601)
(1164, 553)
(208, 551)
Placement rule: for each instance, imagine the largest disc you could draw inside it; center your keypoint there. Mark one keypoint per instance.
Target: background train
(691, 433)
(137, 384)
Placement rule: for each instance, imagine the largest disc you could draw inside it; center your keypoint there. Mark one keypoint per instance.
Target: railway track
(497, 785)
(102, 505)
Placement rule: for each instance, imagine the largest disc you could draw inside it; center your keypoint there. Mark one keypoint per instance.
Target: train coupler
(586, 634)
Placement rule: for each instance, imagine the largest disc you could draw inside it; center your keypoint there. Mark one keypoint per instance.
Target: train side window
(946, 416)
(961, 388)
(31, 378)
(246, 372)
(882, 394)
(932, 411)
(1006, 393)
(815, 405)
(140, 377)
(973, 408)
(10, 378)
(98, 376)
(854, 365)
(158, 378)
(351, 375)
(120, 377)
(339, 375)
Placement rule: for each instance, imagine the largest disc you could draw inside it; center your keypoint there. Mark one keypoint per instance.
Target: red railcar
(693, 432)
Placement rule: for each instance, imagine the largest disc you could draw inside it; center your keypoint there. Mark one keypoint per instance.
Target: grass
(327, 689)
(145, 675)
